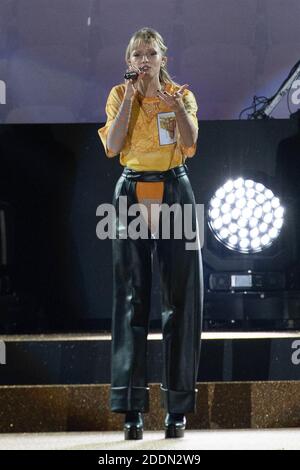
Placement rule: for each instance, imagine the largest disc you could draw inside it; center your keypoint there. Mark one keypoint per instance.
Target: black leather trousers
(182, 301)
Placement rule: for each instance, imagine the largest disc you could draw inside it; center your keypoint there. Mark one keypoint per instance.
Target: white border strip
(151, 336)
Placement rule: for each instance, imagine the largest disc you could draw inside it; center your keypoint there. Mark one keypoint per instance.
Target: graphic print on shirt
(166, 124)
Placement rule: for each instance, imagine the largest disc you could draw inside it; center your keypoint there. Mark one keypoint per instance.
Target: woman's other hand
(174, 101)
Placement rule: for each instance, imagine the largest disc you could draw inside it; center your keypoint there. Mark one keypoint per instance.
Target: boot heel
(174, 425)
(133, 433)
(172, 431)
(133, 426)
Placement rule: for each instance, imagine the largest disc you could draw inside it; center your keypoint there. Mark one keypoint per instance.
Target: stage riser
(86, 408)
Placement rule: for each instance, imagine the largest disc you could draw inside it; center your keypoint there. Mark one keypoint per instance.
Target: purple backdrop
(59, 58)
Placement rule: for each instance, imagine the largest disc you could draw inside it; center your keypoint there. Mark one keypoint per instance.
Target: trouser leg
(182, 304)
(132, 274)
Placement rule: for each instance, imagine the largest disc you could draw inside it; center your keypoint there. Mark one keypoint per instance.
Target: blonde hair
(148, 35)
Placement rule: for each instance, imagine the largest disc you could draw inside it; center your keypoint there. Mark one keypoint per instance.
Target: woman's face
(147, 57)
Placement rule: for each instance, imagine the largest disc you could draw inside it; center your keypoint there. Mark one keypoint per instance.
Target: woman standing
(152, 124)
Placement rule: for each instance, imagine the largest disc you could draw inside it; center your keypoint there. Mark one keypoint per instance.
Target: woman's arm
(187, 129)
(118, 130)
(117, 133)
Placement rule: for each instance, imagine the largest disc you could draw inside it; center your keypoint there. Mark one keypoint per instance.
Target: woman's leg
(132, 275)
(182, 303)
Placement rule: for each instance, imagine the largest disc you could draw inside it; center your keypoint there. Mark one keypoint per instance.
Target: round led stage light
(245, 216)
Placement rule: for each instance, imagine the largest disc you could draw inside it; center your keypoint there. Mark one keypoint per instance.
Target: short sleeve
(112, 107)
(191, 108)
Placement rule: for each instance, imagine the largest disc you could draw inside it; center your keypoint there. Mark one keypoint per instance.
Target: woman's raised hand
(173, 101)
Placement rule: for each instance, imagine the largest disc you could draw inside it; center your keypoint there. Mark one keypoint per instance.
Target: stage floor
(266, 439)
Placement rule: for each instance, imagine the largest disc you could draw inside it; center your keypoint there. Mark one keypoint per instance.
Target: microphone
(132, 74)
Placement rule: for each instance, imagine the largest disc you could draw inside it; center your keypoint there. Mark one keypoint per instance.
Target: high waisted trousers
(181, 282)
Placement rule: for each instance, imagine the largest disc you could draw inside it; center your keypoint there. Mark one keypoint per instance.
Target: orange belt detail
(149, 193)
(147, 190)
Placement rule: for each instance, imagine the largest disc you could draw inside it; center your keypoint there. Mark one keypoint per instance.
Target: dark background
(58, 275)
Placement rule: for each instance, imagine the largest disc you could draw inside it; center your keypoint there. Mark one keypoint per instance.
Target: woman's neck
(149, 88)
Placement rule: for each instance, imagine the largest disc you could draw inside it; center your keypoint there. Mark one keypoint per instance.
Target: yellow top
(153, 141)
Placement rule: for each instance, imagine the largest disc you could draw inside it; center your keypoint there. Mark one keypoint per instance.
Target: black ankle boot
(133, 425)
(174, 425)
